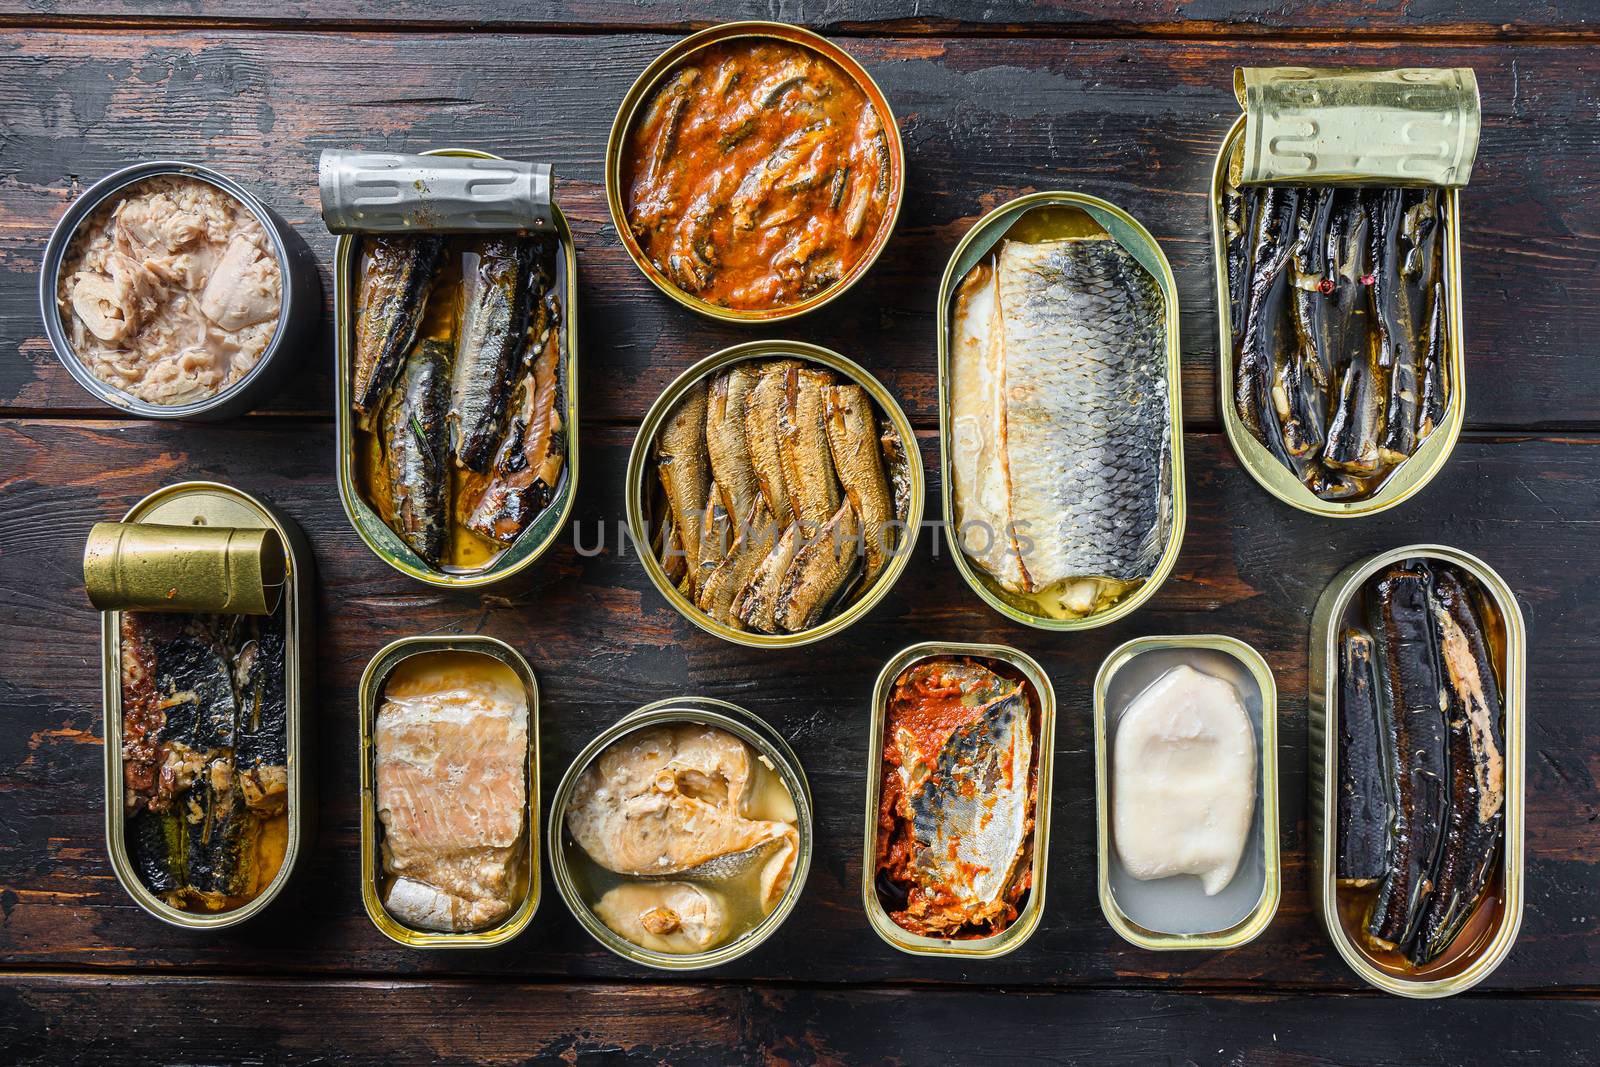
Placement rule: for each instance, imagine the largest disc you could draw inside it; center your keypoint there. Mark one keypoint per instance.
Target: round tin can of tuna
(299, 309)
(576, 872)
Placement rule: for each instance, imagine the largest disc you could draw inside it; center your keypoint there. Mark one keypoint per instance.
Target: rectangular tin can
(1252, 666)
(983, 235)
(1411, 476)
(1323, 773)
(369, 697)
(770, 748)
(641, 464)
(213, 504)
(540, 534)
(1027, 922)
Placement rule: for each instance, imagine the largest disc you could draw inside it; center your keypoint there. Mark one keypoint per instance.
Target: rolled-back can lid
(391, 192)
(134, 566)
(1408, 126)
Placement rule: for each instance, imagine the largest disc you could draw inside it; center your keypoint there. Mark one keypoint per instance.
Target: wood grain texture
(1502, 19)
(603, 642)
(1135, 121)
(50, 1019)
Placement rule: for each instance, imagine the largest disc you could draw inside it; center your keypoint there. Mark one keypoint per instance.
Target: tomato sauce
(757, 176)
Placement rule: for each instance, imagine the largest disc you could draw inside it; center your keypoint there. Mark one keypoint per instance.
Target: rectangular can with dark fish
(428, 706)
(1341, 380)
(209, 800)
(949, 867)
(681, 836)
(1061, 423)
(457, 395)
(1417, 710)
(773, 493)
(1204, 893)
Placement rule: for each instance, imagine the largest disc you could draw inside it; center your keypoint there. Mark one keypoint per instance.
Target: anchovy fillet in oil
(1366, 809)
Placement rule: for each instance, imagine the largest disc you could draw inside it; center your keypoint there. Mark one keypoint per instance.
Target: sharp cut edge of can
(1261, 916)
(1411, 476)
(370, 693)
(1027, 923)
(1322, 774)
(299, 647)
(637, 472)
(298, 280)
(367, 523)
(753, 731)
(1179, 499)
(640, 91)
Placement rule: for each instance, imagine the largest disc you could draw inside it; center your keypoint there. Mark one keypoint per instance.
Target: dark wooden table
(1126, 99)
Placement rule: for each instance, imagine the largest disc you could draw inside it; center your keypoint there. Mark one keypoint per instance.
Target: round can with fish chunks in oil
(865, 408)
(1488, 935)
(299, 312)
(775, 769)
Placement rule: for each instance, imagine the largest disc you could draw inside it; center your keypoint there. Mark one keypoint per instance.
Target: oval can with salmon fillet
(449, 858)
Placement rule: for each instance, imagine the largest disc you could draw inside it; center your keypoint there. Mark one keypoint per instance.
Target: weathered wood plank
(604, 642)
(87, 1020)
(1492, 18)
(1136, 121)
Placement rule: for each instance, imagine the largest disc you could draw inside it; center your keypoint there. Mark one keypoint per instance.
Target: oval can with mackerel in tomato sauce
(758, 175)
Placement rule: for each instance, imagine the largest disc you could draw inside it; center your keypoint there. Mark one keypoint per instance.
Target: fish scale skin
(1087, 408)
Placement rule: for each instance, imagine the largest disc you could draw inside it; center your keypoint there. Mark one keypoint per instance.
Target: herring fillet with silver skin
(1060, 414)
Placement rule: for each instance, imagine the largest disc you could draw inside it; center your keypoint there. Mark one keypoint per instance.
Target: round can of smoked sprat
(684, 912)
(860, 419)
(1486, 935)
(299, 304)
(753, 256)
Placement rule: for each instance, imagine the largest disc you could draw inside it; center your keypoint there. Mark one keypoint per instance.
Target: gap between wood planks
(1444, 36)
(361, 980)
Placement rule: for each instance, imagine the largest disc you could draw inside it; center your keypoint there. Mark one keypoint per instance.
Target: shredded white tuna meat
(171, 293)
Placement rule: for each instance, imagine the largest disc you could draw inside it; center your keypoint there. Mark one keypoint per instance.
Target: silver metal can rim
(55, 254)
(773, 349)
(749, 728)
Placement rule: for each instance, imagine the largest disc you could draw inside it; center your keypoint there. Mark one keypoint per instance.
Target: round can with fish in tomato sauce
(754, 172)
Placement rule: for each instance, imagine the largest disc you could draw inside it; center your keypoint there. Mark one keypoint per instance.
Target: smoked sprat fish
(783, 491)
(1338, 314)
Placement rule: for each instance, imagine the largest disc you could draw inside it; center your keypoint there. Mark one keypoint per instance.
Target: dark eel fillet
(489, 343)
(415, 451)
(532, 452)
(221, 846)
(1476, 746)
(1366, 807)
(262, 755)
(194, 678)
(1410, 687)
(391, 293)
(156, 843)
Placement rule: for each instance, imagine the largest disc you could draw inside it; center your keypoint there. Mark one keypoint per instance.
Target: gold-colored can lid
(1409, 126)
(135, 566)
